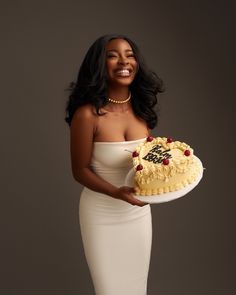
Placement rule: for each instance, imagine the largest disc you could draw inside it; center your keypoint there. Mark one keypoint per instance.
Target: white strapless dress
(116, 235)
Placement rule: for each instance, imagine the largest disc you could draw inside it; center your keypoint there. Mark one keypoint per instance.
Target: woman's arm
(81, 144)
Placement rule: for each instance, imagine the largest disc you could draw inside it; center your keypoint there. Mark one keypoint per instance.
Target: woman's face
(121, 63)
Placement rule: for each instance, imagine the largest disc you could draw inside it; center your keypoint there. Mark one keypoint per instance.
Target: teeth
(123, 72)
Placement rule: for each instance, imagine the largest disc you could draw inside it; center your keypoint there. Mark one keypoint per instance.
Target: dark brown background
(190, 45)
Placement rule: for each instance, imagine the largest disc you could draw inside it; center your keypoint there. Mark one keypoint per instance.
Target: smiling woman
(111, 110)
(92, 85)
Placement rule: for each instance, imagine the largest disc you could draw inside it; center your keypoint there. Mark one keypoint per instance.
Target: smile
(123, 73)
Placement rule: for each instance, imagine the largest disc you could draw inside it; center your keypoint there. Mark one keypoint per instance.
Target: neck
(120, 93)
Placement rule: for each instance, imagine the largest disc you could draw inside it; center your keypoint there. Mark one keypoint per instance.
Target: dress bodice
(113, 160)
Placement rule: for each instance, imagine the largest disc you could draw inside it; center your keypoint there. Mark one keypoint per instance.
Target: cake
(162, 165)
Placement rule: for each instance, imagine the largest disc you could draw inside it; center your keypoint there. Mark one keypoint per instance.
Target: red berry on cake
(187, 153)
(135, 154)
(165, 161)
(139, 167)
(169, 140)
(149, 138)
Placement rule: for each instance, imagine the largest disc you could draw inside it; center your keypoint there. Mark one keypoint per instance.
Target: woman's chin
(124, 81)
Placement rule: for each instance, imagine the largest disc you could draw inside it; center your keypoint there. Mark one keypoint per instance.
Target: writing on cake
(157, 155)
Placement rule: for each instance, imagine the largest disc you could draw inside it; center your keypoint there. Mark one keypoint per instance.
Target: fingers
(133, 201)
(129, 196)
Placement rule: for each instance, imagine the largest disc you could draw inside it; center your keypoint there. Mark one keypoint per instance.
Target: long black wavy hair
(91, 84)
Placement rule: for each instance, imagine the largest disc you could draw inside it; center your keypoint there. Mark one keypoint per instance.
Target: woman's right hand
(126, 193)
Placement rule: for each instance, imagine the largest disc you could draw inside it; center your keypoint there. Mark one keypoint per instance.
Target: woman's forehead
(116, 44)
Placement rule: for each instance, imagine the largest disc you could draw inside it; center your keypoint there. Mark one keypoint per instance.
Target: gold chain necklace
(119, 101)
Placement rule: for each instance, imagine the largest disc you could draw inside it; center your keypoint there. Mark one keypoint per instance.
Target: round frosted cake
(163, 165)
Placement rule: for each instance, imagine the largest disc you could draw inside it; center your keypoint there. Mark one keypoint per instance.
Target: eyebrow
(126, 50)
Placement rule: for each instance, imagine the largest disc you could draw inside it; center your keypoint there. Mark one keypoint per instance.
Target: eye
(111, 55)
(131, 55)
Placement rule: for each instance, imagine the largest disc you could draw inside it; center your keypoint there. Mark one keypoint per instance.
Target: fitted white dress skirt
(116, 235)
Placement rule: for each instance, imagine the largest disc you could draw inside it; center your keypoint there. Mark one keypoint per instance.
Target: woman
(110, 111)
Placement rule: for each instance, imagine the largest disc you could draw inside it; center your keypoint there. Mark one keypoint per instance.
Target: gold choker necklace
(119, 101)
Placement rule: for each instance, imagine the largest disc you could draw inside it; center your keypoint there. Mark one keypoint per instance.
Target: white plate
(166, 197)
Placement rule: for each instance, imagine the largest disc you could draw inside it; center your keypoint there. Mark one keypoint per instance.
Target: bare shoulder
(83, 124)
(85, 112)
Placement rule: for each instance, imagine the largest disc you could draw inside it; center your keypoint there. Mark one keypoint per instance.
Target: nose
(123, 60)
